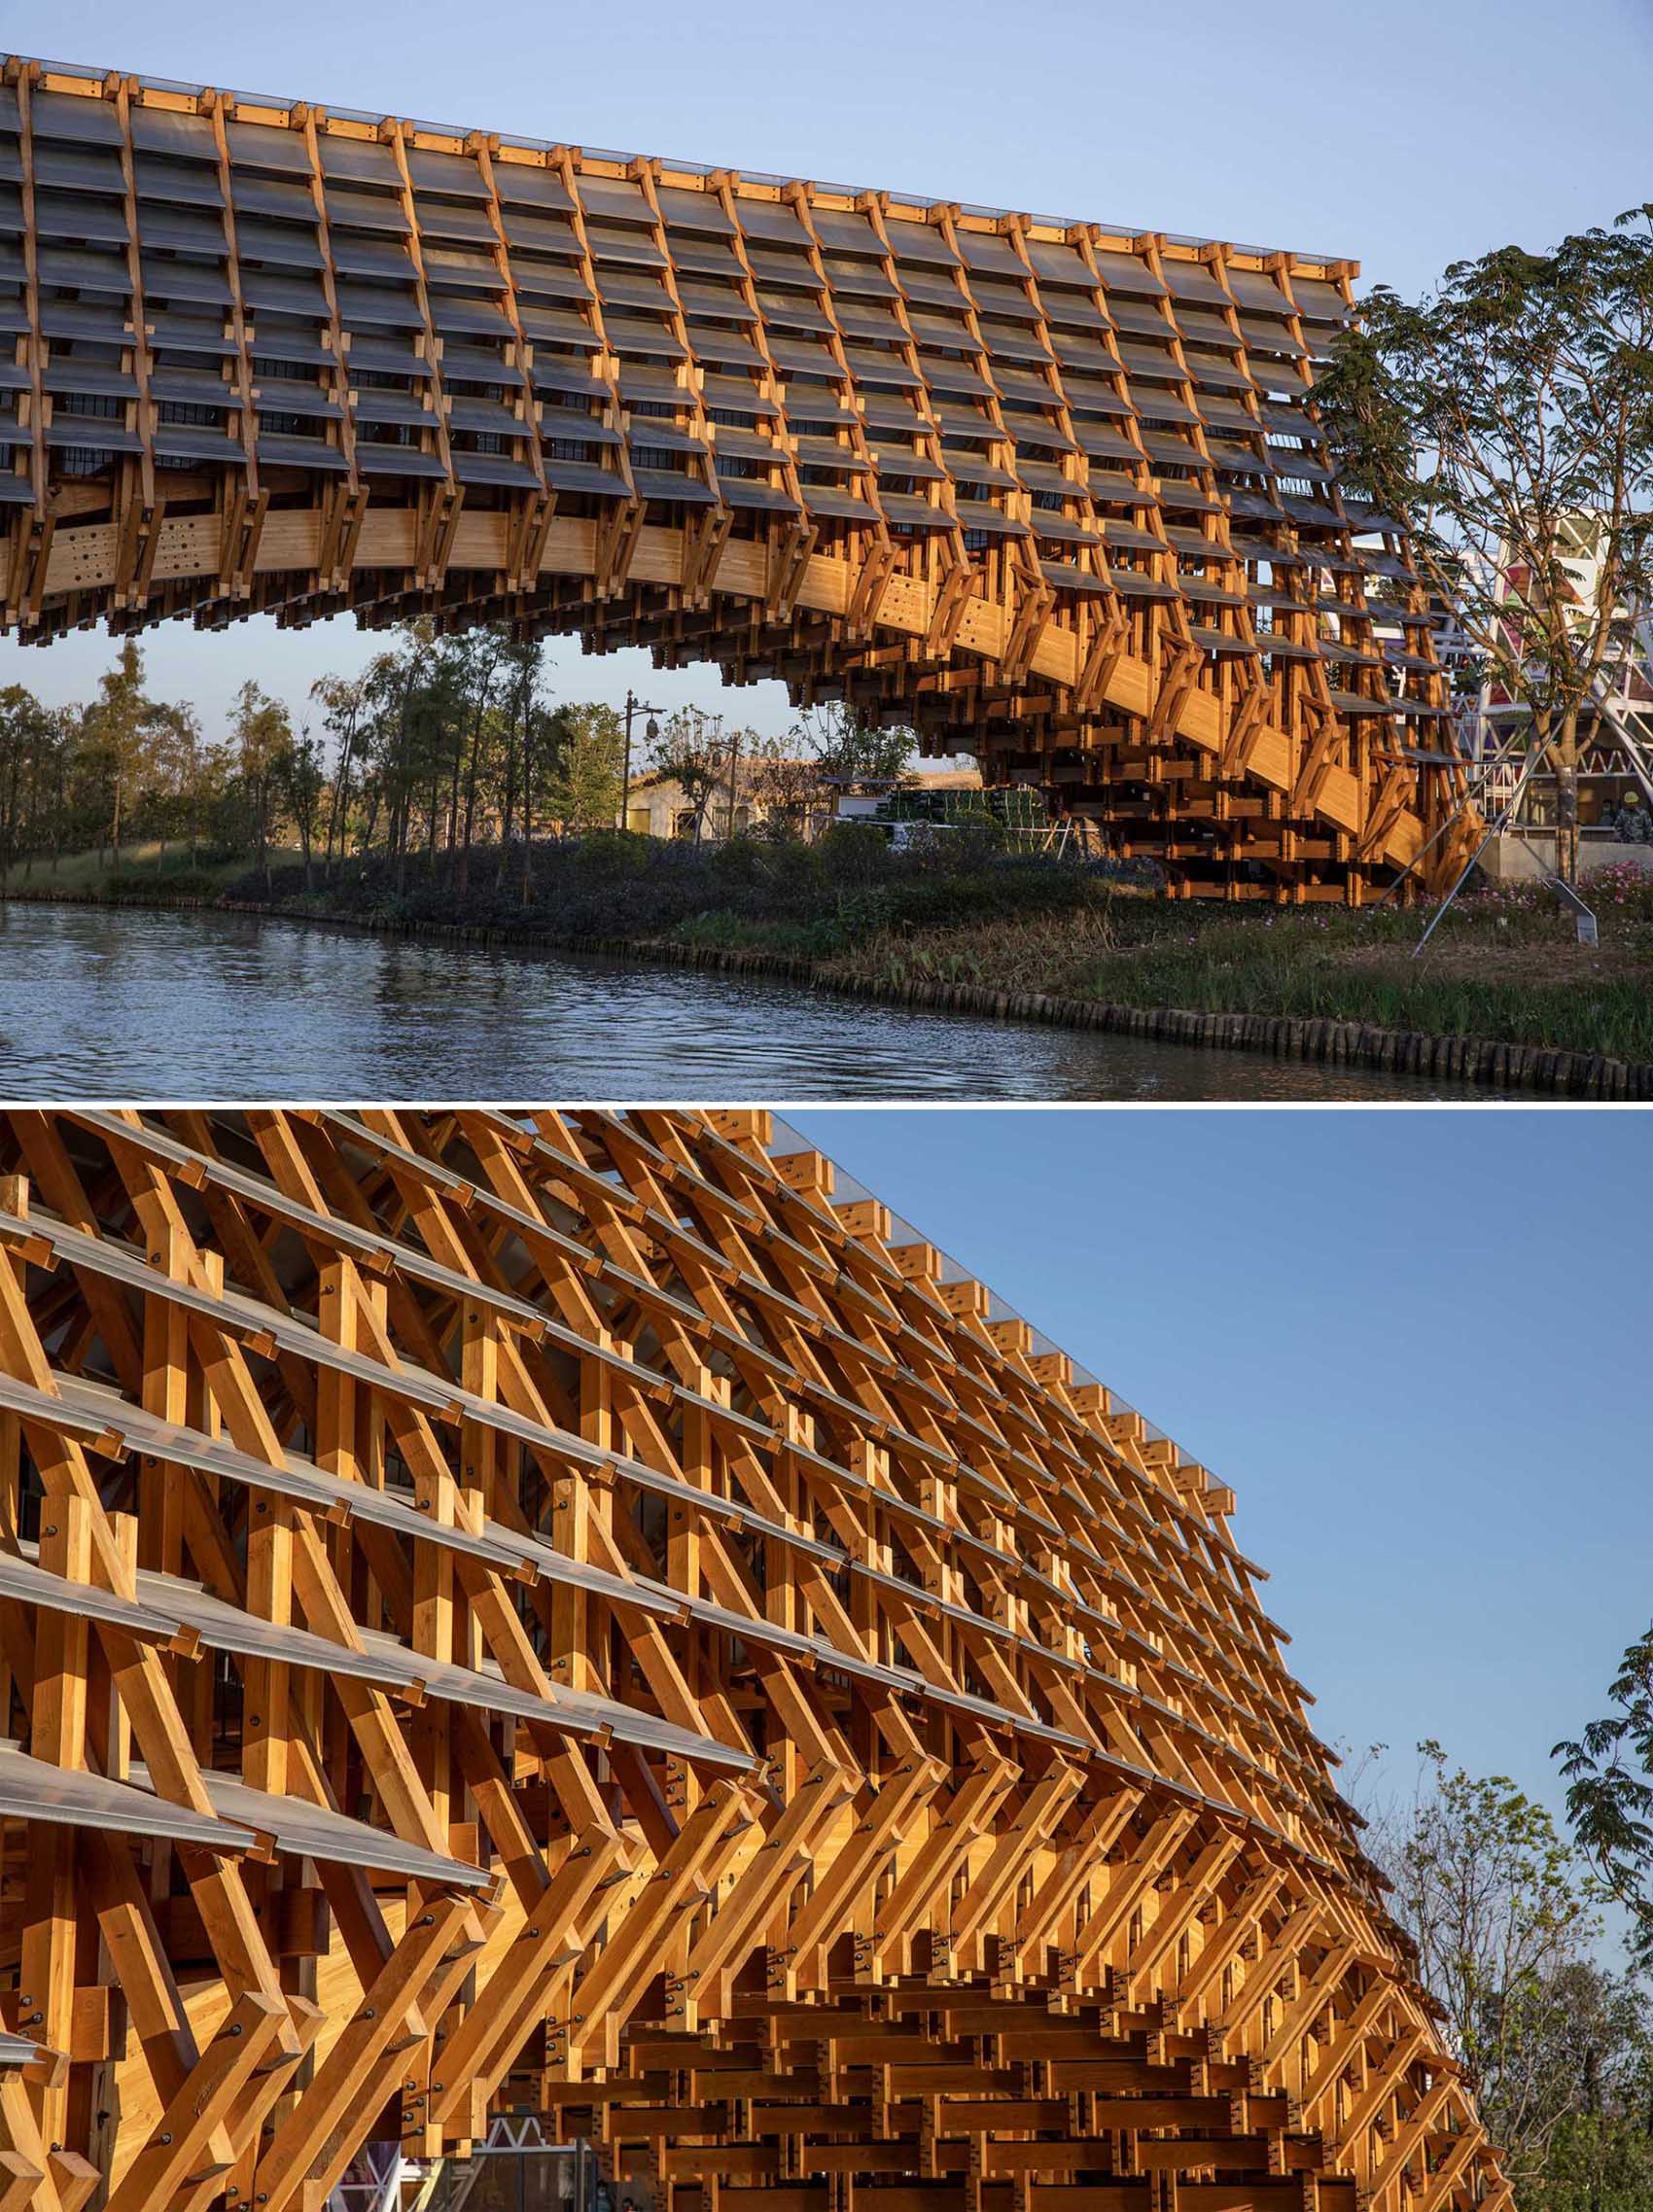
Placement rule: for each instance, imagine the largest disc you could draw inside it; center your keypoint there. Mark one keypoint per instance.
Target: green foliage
(1507, 420)
(1501, 970)
(1601, 2155)
(160, 885)
(1496, 1902)
(1609, 1798)
(851, 750)
(1494, 417)
(611, 856)
(118, 736)
(697, 752)
(1556, 2045)
(785, 869)
(442, 743)
(854, 853)
(588, 754)
(796, 899)
(817, 939)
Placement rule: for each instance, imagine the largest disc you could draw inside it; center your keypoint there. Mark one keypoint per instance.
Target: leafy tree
(1501, 1910)
(24, 727)
(53, 738)
(397, 685)
(1600, 2154)
(481, 670)
(1609, 1798)
(525, 721)
(185, 772)
(694, 751)
(344, 713)
(263, 738)
(787, 783)
(850, 749)
(301, 771)
(587, 742)
(119, 732)
(1507, 420)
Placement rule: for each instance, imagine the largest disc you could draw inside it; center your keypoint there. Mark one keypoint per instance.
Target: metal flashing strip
(74, 1797)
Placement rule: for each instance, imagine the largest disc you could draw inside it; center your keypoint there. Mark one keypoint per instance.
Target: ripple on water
(135, 1004)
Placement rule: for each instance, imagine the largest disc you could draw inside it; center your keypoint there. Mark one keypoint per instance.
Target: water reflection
(141, 1005)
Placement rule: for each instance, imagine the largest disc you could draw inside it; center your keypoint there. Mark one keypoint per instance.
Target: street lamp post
(650, 729)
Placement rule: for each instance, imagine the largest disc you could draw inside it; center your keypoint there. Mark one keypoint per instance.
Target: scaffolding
(1492, 727)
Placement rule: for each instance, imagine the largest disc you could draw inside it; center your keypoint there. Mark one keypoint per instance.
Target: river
(136, 1004)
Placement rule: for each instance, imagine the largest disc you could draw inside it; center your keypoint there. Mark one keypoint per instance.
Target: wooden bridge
(571, 1615)
(1051, 492)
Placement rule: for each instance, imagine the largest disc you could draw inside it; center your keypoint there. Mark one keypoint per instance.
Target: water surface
(130, 1003)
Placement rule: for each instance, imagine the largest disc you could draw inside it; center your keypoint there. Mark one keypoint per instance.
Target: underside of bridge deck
(580, 1614)
(1050, 492)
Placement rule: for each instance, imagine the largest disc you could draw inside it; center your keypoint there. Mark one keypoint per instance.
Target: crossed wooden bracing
(1054, 494)
(560, 1615)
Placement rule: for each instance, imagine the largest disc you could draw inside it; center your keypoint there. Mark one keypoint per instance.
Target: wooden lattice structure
(560, 1615)
(1052, 493)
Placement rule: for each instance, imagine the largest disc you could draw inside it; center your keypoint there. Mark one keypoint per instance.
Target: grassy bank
(146, 870)
(1503, 965)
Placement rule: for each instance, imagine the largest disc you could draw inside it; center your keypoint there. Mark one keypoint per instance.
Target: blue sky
(1414, 1341)
(1403, 140)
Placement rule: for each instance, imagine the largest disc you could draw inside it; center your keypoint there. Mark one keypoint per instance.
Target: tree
(119, 732)
(587, 743)
(395, 683)
(1609, 1798)
(525, 660)
(694, 751)
(25, 730)
(344, 709)
(1601, 2155)
(184, 768)
(53, 741)
(1507, 421)
(483, 667)
(850, 749)
(263, 737)
(300, 770)
(1501, 1910)
(786, 784)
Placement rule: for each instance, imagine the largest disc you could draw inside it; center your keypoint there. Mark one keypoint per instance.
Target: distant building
(660, 807)
(1616, 726)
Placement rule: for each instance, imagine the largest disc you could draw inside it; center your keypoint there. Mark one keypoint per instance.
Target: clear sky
(1404, 139)
(1415, 1342)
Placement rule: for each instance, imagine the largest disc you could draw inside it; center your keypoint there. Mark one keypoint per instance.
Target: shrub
(854, 851)
(610, 855)
(150, 883)
(613, 884)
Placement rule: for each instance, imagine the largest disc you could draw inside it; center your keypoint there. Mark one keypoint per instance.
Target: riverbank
(1309, 961)
(1506, 973)
(148, 873)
